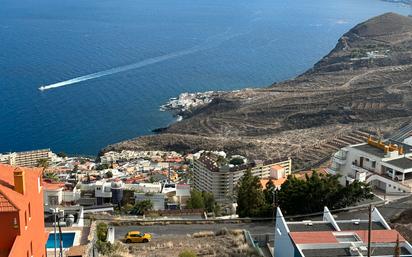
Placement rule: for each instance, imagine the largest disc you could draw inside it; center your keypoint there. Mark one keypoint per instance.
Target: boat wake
(208, 44)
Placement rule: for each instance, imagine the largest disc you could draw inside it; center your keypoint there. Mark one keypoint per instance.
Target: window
(25, 219)
(28, 255)
(31, 248)
(29, 211)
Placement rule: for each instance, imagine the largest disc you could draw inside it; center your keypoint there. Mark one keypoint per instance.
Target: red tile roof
(380, 236)
(327, 237)
(6, 205)
(14, 198)
(318, 237)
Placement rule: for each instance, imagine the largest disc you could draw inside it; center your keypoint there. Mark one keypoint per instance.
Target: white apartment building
(384, 166)
(221, 181)
(26, 159)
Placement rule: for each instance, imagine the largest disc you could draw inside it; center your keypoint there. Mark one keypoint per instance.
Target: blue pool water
(128, 57)
(67, 238)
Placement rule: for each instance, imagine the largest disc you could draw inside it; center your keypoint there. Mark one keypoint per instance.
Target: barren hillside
(364, 85)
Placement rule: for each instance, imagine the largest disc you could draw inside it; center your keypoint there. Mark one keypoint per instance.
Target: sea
(108, 65)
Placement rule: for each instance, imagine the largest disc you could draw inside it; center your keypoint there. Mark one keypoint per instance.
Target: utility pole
(397, 248)
(369, 230)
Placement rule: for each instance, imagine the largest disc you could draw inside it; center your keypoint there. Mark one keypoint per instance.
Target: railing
(252, 243)
(358, 168)
(339, 159)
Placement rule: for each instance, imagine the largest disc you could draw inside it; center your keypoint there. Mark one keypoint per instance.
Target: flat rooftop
(402, 163)
(316, 226)
(370, 150)
(343, 252)
(363, 225)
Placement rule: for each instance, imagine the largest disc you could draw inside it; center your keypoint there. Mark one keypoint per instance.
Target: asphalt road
(178, 229)
(388, 211)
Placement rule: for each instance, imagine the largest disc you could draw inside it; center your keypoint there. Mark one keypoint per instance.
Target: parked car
(137, 237)
(397, 177)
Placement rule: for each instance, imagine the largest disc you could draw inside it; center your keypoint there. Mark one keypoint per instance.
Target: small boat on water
(42, 88)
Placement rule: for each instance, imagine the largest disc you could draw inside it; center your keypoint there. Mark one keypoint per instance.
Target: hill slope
(363, 84)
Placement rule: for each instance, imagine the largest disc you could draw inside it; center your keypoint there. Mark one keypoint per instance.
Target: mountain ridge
(363, 83)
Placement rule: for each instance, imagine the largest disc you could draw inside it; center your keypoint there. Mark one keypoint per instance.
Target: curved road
(258, 228)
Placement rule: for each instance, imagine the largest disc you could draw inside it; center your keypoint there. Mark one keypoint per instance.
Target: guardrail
(252, 243)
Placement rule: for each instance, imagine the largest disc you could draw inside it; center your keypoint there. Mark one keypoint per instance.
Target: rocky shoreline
(186, 103)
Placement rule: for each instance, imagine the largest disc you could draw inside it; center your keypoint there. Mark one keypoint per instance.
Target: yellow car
(137, 237)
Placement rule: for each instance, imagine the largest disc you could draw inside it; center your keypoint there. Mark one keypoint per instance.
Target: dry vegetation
(224, 243)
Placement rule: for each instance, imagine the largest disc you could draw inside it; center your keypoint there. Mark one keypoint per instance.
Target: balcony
(339, 159)
(356, 167)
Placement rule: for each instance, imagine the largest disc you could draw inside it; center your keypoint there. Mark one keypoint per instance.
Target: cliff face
(364, 83)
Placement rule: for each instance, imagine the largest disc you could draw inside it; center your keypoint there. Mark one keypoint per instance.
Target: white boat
(42, 88)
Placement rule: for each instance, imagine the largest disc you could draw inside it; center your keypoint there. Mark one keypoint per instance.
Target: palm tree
(43, 163)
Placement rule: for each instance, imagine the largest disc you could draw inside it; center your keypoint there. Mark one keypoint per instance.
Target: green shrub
(101, 231)
(187, 253)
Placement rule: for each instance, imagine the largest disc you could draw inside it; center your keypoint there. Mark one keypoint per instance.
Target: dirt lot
(223, 243)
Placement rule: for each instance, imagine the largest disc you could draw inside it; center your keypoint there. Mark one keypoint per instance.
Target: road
(259, 228)
(179, 229)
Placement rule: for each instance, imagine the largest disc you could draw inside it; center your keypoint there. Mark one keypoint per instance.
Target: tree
(269, 191)
(43, 163)
(250, 197)
(312, 194)
(102, 166)
(209, 201)
(101, 231)
(62, 154)
(109, 174)
(196, 200)
(236, 161)
(141, 207)
(50, 176)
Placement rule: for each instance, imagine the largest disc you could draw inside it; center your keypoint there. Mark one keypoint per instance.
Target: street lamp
(58, 215)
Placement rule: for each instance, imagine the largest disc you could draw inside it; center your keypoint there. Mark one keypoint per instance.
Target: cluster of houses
(119, 178)
(74, 186)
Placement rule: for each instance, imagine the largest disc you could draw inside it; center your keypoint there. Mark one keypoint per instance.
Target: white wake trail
(137, 65)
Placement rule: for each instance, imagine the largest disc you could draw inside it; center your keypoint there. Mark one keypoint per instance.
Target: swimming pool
(67, 238)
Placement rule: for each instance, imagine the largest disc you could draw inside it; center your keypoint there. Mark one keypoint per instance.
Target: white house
(385, 166)
(334, 238)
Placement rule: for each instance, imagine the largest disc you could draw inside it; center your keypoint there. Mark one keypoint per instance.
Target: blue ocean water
(172, 46)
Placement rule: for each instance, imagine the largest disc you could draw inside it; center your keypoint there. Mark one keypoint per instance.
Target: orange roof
(52, 186)
(327, 237)
(276, 182)
(318, 237)
(380, 236)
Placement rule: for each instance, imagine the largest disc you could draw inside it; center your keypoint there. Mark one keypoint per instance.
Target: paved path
(178, 229)
(388, 211)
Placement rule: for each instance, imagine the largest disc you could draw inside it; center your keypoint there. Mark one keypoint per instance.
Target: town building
(58, 193)
(221, 180)
(383, 165)
(21, 212)
(332, 238)
(157, 199)
(26, 159)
